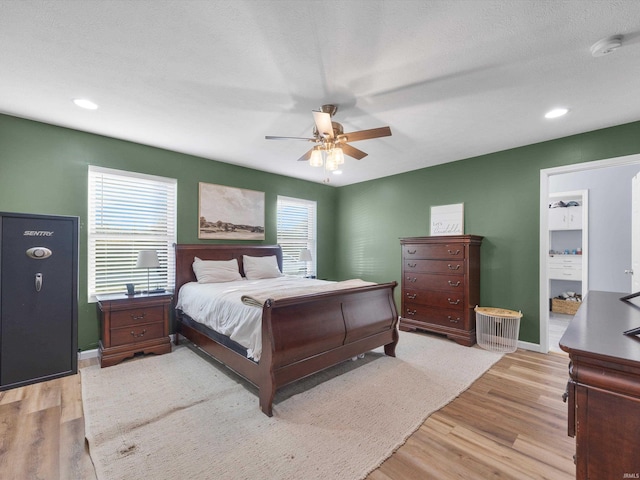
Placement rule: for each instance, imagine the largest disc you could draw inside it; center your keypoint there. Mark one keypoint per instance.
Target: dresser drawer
(134, 334)
(428, 281)
(450, 300)
(136, 316)
(439, 316)
(447, 251)
(453, 267)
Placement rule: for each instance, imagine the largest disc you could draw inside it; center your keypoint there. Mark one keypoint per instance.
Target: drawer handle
(453, 253)
(411, 312)
(411, 252)
(452, 284)
(412, 265)
(412, 279)
(411, 296)
(137, 317)
(133, 334)
(452, 302)
(453, 320)
(451, 267)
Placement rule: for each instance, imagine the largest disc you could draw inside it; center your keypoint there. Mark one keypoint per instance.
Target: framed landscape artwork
(227, 213)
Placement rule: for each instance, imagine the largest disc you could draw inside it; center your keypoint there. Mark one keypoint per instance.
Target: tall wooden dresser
(441, 285)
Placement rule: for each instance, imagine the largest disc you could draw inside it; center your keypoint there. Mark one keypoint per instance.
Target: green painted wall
(43, 169)
(500, 193)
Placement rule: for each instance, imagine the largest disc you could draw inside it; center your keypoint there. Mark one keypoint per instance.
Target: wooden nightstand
(133, 324)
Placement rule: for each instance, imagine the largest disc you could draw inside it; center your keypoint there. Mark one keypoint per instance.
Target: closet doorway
(604, 254)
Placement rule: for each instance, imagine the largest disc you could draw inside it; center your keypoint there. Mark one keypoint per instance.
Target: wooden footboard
(300, 335)
(303, 335)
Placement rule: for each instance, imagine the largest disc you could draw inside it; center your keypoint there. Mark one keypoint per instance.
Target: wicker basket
(563, 306)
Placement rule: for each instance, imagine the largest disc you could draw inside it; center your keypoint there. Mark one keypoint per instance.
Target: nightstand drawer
(134, 334)
(136, 316)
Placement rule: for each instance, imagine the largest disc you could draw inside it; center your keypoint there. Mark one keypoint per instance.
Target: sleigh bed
(300, 335)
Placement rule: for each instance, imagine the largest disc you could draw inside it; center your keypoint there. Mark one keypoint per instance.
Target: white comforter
(219, 307)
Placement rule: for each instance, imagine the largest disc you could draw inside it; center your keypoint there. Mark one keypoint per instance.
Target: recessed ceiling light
(84, 103)
(337, 172)
(556, 112)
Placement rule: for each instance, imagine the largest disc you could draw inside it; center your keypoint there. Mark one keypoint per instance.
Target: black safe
(38, 298)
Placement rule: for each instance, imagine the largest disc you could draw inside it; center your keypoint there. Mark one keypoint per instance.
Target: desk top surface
(596, 329)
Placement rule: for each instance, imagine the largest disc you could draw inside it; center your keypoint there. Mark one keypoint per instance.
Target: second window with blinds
(297, 235)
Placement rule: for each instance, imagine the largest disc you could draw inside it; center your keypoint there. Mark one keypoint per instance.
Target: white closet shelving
(567, 264)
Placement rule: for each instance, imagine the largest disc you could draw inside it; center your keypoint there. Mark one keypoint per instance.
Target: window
(297, 232)
(129, 212)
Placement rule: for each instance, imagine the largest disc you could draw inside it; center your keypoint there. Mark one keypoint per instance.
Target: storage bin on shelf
(497, 329)
(558, 305)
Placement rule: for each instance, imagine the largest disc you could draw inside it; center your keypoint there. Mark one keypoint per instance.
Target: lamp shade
(305, 255)
(148, 259)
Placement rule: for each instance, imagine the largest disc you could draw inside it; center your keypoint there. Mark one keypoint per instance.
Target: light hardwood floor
(510, 424)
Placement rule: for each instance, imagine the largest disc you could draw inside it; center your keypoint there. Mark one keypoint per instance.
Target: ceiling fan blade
(271, 137)
(366, 134)
(323, 124)
(306, 156)
(352, 152)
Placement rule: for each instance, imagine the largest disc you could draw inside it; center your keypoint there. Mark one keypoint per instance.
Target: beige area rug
(179, 416)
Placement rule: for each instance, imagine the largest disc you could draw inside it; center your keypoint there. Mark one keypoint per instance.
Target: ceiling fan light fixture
(331, 163)
(338, 155)
(316, 157)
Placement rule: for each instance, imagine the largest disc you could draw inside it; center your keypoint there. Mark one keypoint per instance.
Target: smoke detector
(606, 46)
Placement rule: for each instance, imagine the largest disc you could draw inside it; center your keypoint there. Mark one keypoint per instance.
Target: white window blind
(296, 232)
(129, 212)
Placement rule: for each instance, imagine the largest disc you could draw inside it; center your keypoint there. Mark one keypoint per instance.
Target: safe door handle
(38, 282)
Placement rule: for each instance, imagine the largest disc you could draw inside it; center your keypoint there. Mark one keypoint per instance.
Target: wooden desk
(604, 390)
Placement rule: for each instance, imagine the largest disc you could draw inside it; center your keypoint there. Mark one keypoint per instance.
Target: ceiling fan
(329, 137)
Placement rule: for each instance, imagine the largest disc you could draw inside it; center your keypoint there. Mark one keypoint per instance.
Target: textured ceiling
(453, 79)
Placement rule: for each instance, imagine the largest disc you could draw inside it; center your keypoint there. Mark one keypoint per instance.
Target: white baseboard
(84, 354)
(534, 347)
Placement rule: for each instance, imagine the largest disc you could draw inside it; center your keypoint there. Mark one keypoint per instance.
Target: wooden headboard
(186, 252)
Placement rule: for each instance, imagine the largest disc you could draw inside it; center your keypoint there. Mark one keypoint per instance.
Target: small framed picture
(447, 219)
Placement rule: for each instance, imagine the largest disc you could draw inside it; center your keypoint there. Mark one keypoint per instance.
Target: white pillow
(216, 271)
(256, 268)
